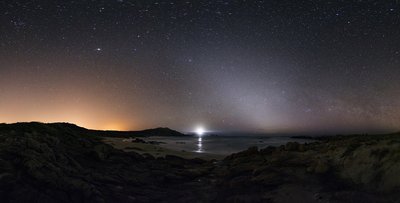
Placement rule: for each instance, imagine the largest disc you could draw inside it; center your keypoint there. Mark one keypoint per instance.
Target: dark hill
(72, 128)
(143, 133)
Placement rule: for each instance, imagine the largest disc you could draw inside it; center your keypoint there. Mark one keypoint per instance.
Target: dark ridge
(142, 133)
(72, 128)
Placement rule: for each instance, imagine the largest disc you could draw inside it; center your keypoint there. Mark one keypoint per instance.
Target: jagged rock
(57, 163)
(292, 146)
(322, 166)
(65, 163)
(302, 148)
(250, 151)
(268, 150)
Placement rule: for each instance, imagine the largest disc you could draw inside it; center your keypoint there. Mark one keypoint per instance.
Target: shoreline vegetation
(62, 162)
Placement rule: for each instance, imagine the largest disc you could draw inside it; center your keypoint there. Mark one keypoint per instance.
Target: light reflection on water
(199, 145)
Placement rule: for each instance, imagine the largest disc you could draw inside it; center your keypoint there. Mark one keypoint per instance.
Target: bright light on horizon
(200, 131)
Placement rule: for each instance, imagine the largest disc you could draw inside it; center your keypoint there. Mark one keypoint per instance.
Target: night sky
(228, 65)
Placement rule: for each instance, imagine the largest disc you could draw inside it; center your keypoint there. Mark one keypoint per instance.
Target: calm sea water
(222, 145)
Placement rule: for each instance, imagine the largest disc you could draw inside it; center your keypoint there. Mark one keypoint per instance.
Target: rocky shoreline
(65, 163)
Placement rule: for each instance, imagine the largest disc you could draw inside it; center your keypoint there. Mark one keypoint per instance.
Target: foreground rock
(55, 163)
(358, 168)
(65, 163)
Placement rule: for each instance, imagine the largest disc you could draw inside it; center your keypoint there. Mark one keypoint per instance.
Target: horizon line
(224, 132)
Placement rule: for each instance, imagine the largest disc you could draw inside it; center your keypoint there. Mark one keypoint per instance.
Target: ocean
(222, 145)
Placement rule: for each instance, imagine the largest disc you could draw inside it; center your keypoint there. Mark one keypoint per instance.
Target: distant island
(61, 162)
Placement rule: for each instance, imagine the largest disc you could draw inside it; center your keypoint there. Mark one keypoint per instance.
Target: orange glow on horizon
(115, 126)
(88, 112)
(87, 125)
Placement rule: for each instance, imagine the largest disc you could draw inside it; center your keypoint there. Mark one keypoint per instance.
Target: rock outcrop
(54, 163)
(65, 163)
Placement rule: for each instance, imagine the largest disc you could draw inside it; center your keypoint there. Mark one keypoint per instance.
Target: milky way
(238, 65)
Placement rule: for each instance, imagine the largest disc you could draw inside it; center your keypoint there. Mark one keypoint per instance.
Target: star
(259, 64)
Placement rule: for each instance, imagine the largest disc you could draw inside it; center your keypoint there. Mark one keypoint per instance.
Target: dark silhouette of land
(65, 163)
